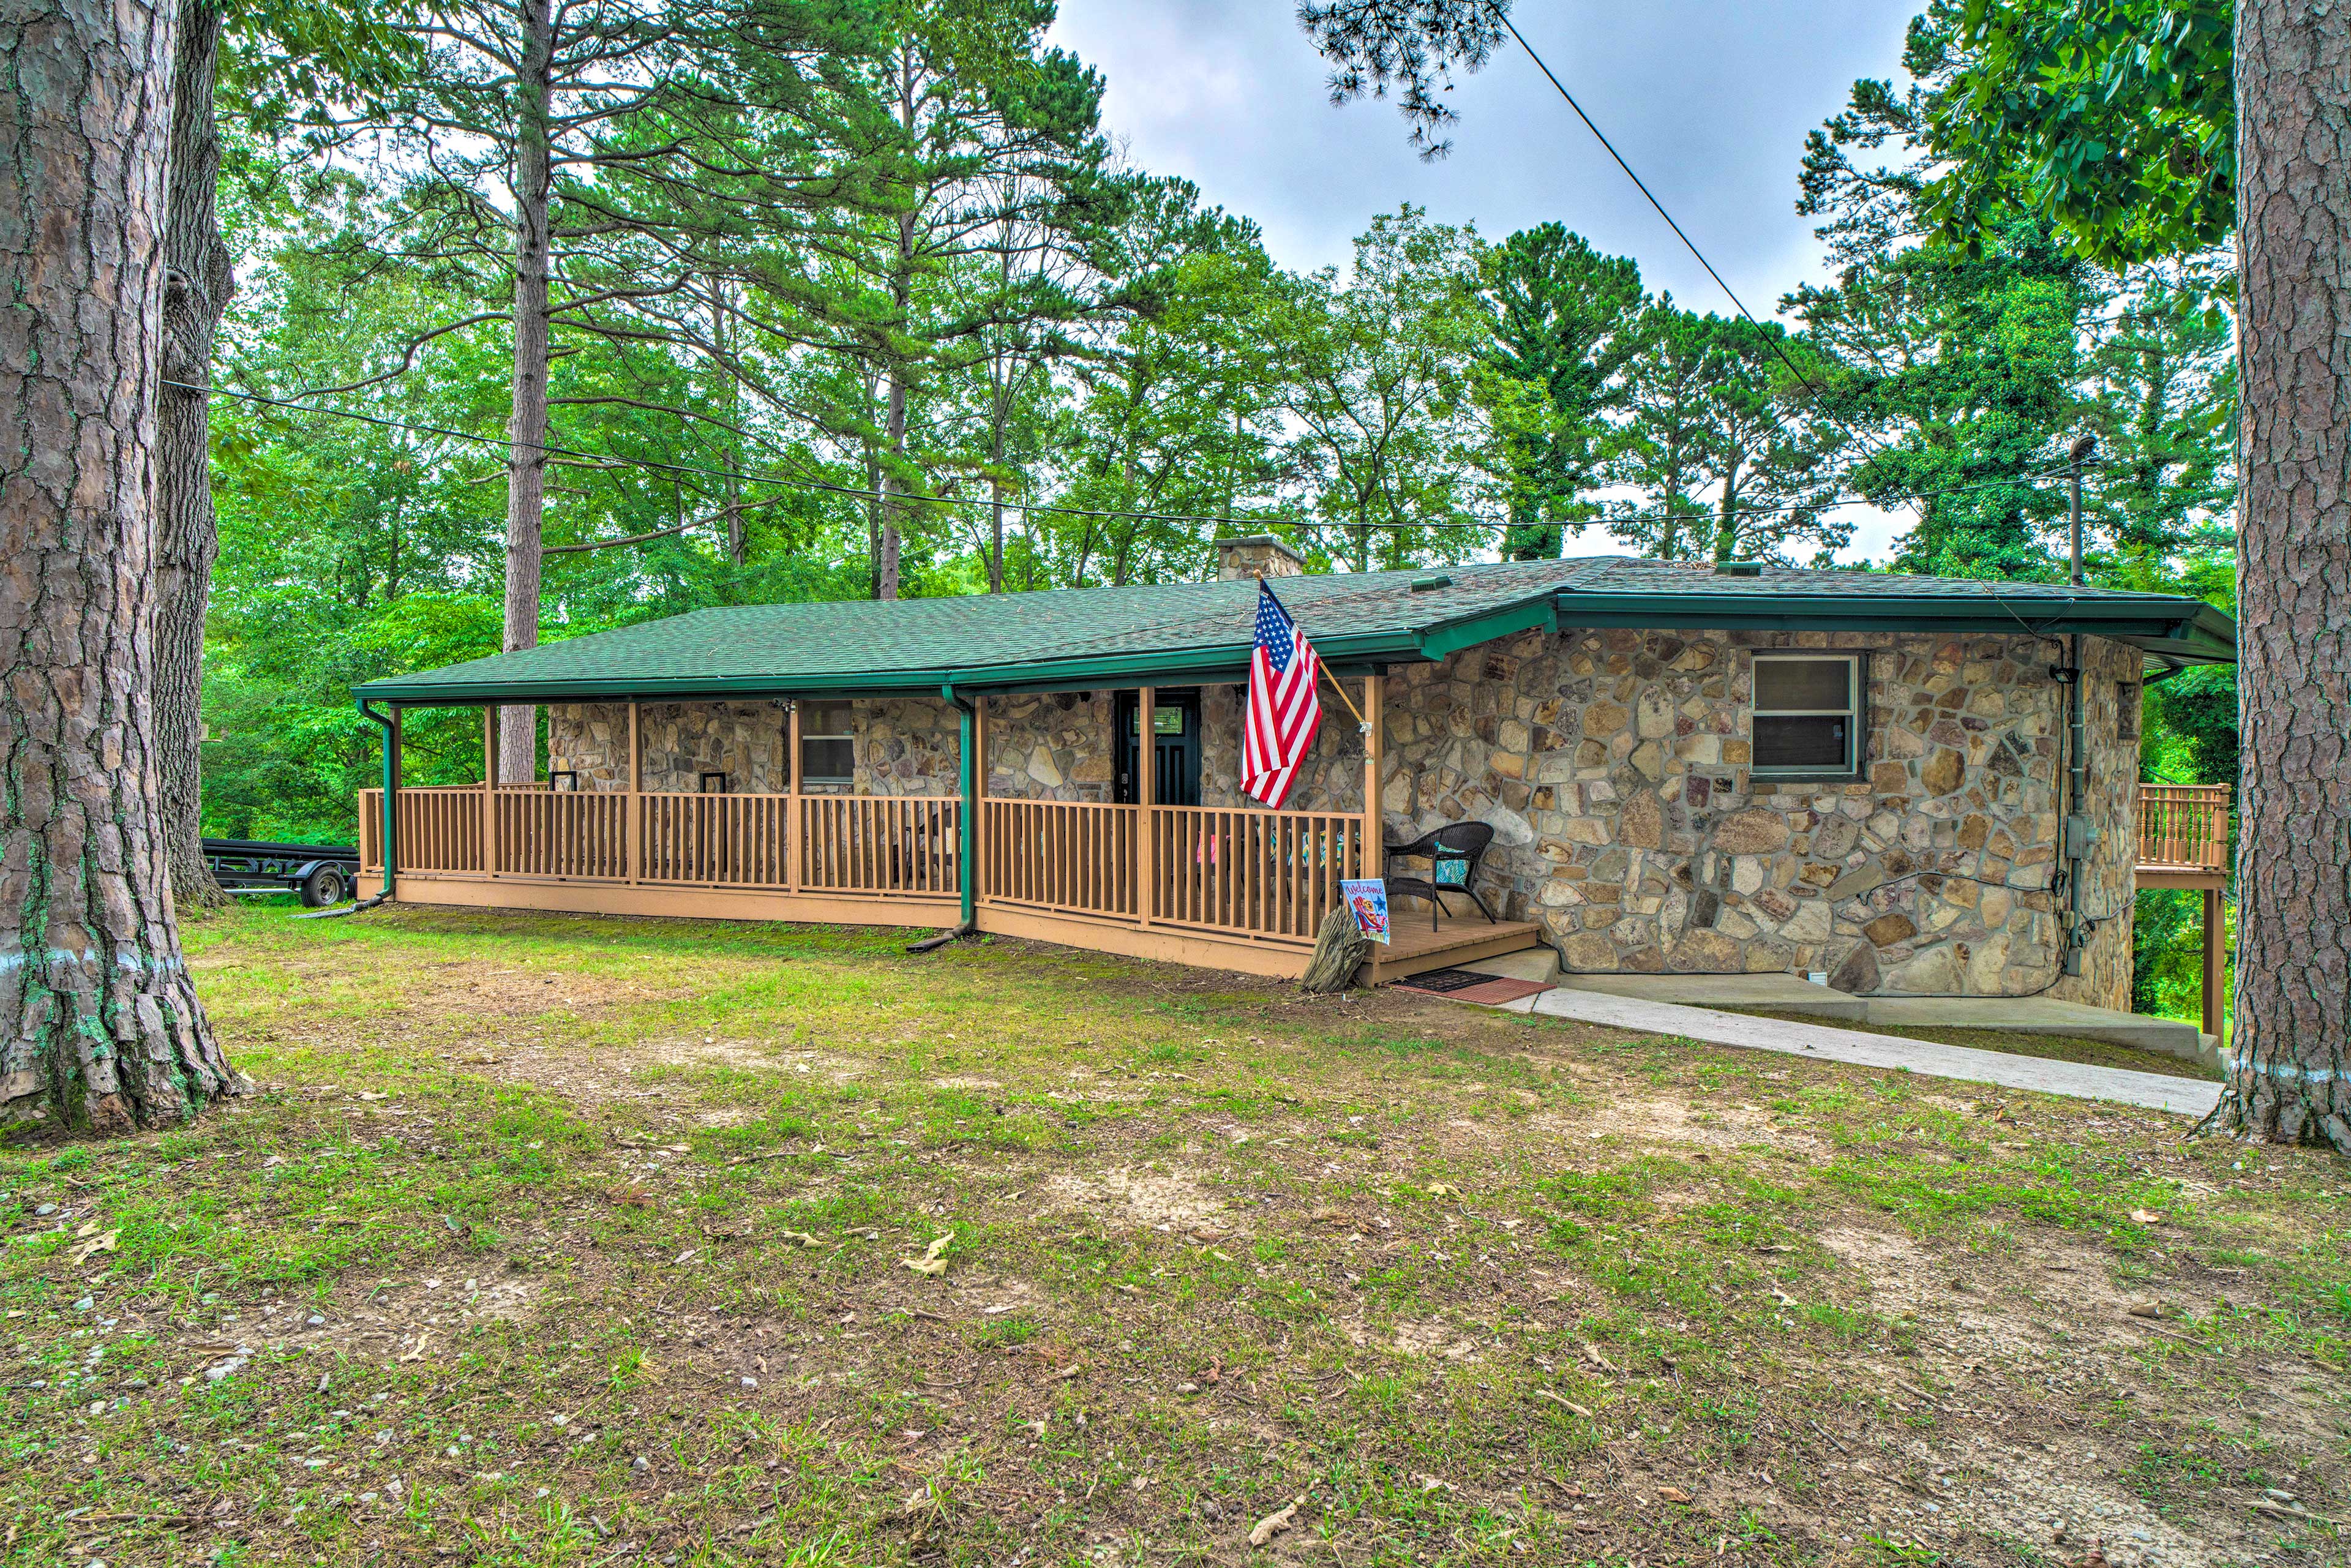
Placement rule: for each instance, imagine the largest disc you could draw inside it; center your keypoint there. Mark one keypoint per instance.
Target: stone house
(1903, 785)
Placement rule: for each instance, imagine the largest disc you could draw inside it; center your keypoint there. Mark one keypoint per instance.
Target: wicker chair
(1452, 852)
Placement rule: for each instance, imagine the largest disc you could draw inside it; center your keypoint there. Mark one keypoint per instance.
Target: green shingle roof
(1193, 631)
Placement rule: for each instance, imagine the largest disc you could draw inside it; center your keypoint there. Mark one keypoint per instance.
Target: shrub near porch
(605, 1224)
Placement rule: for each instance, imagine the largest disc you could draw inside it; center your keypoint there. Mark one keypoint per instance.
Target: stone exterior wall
(1052, 747)
(1615, 766)
(680, 742)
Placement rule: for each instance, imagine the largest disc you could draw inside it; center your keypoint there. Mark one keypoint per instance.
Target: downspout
(967, 857)
(390, 844)
(2078, 831)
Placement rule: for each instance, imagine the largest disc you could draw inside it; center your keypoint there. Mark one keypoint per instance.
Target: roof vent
(1431, 583)
(1738, 568)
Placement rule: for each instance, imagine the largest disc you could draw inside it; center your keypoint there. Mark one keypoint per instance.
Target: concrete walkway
(2154, 1090)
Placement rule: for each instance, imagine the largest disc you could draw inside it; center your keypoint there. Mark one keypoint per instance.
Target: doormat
(1470, 986)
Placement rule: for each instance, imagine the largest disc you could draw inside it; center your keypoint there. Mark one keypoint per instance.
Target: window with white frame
(828, 747)
(1807, 714)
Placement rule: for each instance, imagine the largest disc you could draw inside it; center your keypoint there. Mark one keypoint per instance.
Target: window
(828, 747)
(1807, 714)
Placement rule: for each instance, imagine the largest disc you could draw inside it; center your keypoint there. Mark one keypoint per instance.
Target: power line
(1503, 16)
(854, 493)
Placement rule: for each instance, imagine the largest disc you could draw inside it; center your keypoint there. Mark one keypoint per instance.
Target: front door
(1176, 719)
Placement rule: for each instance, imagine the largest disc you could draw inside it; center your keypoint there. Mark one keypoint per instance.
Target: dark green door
(1176, 752)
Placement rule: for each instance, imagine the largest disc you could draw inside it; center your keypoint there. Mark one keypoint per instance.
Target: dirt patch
(1435, 1337)
(407, 1320)
(1173, 1199)
(966, 1084)
(2034, 1301)
(1672, 1122)
(751, 1055)
(2060, 1502)
(484, 991)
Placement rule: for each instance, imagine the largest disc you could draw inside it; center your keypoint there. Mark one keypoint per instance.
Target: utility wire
(1778, 348)
(854, 493)
(1502, 15)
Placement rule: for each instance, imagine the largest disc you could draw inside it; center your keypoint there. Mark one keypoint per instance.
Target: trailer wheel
(322, 887)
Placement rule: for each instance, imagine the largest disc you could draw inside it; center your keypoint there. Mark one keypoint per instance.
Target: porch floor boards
(1413, 948)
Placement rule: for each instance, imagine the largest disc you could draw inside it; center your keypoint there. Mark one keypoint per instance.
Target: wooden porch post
(489, 791)
(795, 830)
(2215, 960)
(1146, 795)
(1372, 862)
(633, 827)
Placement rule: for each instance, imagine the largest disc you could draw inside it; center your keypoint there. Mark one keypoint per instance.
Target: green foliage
(1382, 385)
(1714, 402)
(1971, 366)
(1565, 321)
(2112, 120)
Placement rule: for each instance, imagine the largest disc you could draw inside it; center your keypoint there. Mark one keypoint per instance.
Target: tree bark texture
(885, 570)
(197, 283)
(1340, 950)
(2293, 1041)
(99, 1026)
(527, 422)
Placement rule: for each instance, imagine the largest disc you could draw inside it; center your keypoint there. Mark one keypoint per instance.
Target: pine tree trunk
(2289, 1074)
(885, 567)
(737, 547)
(996, 531)
(99, 1026)
(198, 283)
(526, 424)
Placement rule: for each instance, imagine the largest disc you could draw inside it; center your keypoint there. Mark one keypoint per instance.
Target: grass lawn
(573, 1241)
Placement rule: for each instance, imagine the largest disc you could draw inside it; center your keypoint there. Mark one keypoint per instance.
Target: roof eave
(2177, 628)
(1230, 662)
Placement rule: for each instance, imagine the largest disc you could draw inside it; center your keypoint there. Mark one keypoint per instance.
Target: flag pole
(1362, 724)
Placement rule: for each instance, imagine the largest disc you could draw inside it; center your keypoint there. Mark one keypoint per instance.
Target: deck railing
(2184, 827)
(576, 835)
(881, 845)
(868, 845)
(1068, 856)
(716, 840)
(1272, 874)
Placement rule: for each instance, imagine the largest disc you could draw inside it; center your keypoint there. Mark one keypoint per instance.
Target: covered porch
(1130, 871)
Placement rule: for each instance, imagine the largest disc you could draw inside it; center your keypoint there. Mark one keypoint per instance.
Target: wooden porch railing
(1064, 855)
(870, 845)
(716, 840)
(1272, 874)
(882, 845)
(2184, 828)
(578, 835)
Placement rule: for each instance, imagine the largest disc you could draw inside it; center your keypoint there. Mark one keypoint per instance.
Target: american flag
(1284, 707)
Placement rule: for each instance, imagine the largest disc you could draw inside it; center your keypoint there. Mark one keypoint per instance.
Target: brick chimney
(1260, 556)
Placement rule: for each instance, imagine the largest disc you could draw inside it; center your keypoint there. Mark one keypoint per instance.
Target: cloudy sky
(1710, 101)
